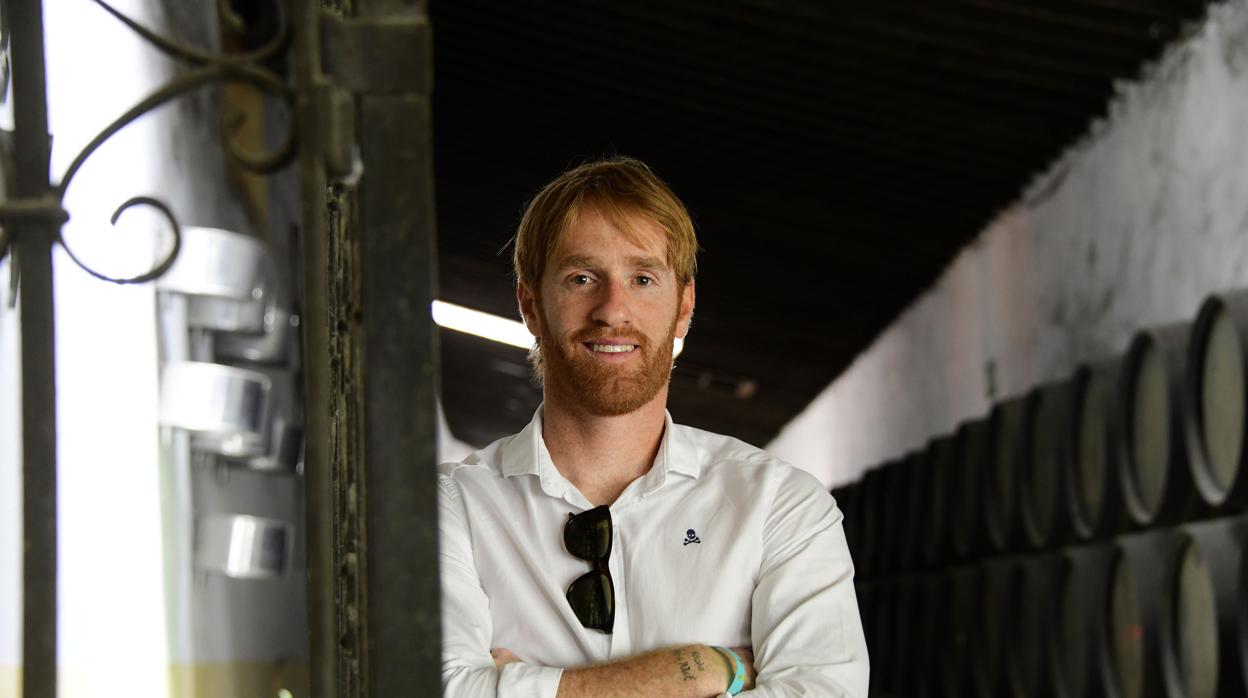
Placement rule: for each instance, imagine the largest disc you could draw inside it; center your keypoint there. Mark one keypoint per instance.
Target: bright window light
(493, 327)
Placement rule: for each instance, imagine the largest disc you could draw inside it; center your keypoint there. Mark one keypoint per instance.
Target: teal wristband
(738, 674)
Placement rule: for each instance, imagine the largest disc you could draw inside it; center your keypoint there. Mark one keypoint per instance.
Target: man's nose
(612, 306)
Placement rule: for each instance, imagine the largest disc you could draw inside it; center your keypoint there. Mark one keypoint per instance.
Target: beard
(602, 389)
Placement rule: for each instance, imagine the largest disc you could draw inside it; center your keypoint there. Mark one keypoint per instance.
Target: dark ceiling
(835, 156)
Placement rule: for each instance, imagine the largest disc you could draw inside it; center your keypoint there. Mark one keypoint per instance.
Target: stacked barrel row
(1084, 539)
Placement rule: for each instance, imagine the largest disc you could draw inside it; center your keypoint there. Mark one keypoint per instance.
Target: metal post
(32, 244)
(398, 257)
(370, 349)
(325, 642)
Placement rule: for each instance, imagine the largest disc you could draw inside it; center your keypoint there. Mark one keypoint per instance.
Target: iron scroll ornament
(208, 69)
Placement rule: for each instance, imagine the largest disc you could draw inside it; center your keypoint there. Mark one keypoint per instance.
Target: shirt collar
(677, 453)
(526, 454)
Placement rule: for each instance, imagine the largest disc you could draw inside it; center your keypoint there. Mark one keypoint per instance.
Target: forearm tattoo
(687, 669)
(697, 659)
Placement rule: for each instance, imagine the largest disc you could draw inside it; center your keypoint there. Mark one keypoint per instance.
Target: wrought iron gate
(361, 97)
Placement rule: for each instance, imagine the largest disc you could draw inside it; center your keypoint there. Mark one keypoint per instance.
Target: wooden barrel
(1093, 495)
(993, 623)
(942, 496)
(1156, 482)
(883, 630)
(963, 601)
(917, 503)
(882, 626)
(865, 592)
(1215, 394)
(1076, 666)
(871, 506)
(1031, 593)
(1205, 633)
(903, 516)
(968, 532)
(892, 496)
(1044, 463)
(933, 626)
(1005, 427)
(898, 675)
(1133, 615)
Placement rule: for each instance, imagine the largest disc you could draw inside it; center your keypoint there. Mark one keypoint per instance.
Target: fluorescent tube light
(475, 322)
(493, 327)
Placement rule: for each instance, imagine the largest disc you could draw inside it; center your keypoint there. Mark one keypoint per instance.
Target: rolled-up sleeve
(807, 634)
(468, 670)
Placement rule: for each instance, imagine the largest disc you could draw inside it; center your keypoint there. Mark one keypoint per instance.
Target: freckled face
(607, 311)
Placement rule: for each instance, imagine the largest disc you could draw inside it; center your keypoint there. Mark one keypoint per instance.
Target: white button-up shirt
(718, 543)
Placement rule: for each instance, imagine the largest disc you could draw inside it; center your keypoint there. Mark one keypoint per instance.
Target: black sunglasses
(587, 536)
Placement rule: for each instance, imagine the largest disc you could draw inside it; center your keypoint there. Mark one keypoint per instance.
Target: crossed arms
(804, 627)
(692, 671)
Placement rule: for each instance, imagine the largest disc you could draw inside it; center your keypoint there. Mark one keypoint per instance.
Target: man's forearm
(691, 671)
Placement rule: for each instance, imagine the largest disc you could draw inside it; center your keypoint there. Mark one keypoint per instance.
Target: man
(604, 550)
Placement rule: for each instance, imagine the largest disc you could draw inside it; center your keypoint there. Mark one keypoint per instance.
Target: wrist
(735, 670)
(708, 667)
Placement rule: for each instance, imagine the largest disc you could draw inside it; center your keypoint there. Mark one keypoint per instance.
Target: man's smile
(610, 347)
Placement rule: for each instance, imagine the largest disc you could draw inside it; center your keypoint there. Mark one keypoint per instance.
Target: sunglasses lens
(588, 534)
(593, 600)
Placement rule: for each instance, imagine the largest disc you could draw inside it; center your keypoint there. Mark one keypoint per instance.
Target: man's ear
(528, 304)
(684, 316)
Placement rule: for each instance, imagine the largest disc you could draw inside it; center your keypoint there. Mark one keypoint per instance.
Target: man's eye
(580, 279)
(644, 281)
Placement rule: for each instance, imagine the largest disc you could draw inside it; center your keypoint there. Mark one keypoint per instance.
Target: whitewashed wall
(1131, 228)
